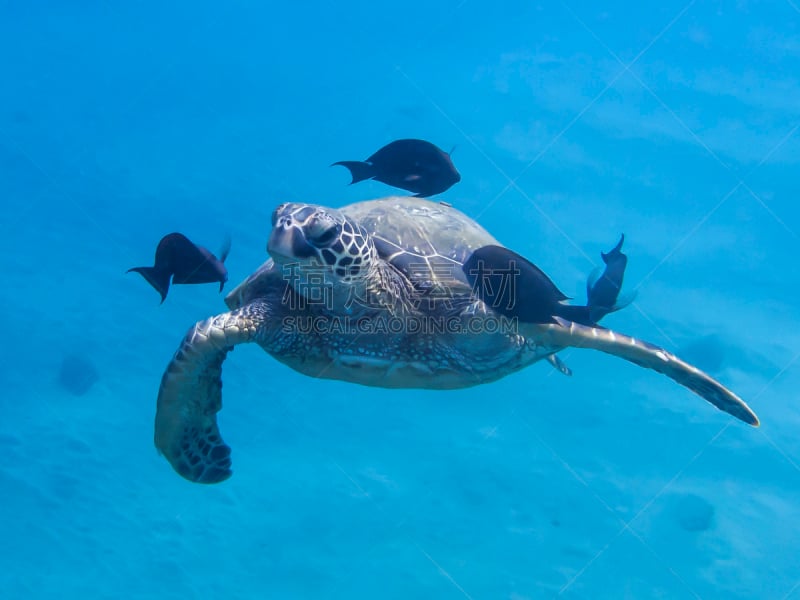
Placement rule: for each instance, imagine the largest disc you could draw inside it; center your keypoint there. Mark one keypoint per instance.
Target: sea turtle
(378, 293)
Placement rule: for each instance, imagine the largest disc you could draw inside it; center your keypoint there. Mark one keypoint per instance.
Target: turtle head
(320, 240)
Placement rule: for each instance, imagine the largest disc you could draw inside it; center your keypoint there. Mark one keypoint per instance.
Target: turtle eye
(323, 233)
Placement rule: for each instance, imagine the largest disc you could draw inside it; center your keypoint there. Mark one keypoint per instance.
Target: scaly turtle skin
(328, 304)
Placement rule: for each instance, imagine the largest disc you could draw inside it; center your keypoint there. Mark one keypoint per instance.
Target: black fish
(414, 165)
(603, 292)
(513, 286)
(183, 261)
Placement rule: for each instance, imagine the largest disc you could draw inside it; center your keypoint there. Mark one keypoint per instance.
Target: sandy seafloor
(673, 123)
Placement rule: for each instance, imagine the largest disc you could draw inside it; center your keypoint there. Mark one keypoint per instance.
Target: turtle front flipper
(566, 333)
(190, 395)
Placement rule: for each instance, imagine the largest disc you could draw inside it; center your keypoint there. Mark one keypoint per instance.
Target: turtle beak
(287, 244)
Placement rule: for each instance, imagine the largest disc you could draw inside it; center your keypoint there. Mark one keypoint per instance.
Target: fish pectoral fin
(598, 312)
(225, 249)
(592, 280)
(625, 299)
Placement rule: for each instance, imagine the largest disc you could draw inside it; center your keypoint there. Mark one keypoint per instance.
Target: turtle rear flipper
(190, 396)
(559, 365)
(565, 333)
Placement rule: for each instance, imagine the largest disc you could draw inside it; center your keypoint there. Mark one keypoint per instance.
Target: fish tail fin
(616, 250)
(225, 249)
(358, 169)
(158, 278)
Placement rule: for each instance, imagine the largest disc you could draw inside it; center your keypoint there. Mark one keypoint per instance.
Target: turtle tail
(190, 396)
(649, 356)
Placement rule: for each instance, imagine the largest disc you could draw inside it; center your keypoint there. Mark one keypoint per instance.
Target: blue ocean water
(674, 123)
